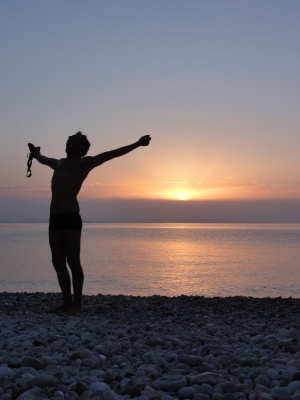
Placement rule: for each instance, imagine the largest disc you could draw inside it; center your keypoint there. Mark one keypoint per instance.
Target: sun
(178, 195)
(181, 196)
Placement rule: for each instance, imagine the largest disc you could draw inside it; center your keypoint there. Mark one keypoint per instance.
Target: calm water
(164, 259)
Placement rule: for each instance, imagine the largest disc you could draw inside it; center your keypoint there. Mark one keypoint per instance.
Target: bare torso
(70, 173)
(66, 182)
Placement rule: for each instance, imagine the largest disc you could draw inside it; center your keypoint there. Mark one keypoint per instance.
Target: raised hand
(144, 140)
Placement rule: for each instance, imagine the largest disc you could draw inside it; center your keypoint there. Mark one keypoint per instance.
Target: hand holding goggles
(30, 158)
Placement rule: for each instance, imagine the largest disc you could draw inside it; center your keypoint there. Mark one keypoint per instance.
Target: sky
(215, 83)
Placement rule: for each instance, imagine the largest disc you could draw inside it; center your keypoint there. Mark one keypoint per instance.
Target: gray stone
(288, 374)
(229, 396)
(5, 371)
(152, 394)
(272, 374)
(210, 378)
(98, 387)
(229, 387)
(264, 396)
(295, 334)
(207, 366)
(205, 389)
(169, 383)
(296, 395)
(186, 393)
(280, 393)
(31, 362)
(201, 396)
(35, 392)
(89, 363)
(142, 398)
(110, 395)
(263, 380)
(293, 387)
(43, 380)
(217, 396)
(192, 361)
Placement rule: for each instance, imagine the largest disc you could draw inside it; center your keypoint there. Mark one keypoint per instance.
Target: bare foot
(74, 310)
(62, 308)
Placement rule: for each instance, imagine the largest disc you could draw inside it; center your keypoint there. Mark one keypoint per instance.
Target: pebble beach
(147, 348)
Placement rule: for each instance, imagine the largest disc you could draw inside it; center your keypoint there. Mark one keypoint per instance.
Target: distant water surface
(164, 259)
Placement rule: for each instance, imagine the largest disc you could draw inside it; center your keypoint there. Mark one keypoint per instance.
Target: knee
(59, 263)
(74, 262)
(75, 267)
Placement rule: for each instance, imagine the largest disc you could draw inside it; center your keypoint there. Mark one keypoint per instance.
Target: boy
(65, 221)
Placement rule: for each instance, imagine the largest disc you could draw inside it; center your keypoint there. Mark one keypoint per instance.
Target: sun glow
(180, 195)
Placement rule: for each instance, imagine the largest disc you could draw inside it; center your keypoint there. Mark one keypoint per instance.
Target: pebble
(4, 372)
(150, 348)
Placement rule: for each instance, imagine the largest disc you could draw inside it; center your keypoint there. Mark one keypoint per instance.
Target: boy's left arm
(109, 155)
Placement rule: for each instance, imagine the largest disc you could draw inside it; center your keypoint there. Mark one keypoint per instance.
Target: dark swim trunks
(65, 222)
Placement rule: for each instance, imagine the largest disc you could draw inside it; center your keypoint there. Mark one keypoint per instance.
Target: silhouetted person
(65, 221)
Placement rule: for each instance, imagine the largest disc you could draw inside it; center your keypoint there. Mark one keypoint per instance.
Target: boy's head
(78, 143)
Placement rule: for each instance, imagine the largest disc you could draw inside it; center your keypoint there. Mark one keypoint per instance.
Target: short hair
(85, 144)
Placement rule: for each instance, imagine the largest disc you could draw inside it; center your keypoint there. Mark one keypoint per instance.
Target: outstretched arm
(50, 162)
(109, 155)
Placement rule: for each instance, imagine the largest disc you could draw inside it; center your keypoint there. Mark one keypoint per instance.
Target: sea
(208, 260)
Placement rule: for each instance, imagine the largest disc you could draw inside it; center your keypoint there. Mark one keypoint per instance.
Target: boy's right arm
(51, 162)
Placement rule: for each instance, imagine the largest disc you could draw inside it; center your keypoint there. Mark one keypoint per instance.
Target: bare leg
(72, 246)
(58, 250)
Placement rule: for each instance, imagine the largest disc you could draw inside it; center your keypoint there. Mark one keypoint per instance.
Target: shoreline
(146, 348)
(159, 305)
